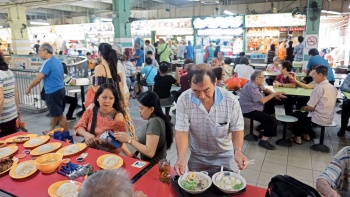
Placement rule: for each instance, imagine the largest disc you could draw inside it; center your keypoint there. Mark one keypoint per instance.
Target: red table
(150, 185)
(38, 183)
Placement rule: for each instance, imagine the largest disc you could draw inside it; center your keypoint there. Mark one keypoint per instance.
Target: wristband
(237, 149)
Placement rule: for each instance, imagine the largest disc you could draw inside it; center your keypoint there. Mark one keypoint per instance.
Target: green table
(274, 74)
(299, 91)
(347, 94)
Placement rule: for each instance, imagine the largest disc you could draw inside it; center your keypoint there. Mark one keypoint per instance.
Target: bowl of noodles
(48, 163)
(195, 182)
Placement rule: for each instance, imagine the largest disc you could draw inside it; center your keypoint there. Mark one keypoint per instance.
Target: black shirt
(162, 85)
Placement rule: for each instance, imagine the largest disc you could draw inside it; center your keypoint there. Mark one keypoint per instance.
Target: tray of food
(7, 163)
(20, 138)
(72, 149)
(46, 148)
(7, 151)
(36, 141)
(109, 161)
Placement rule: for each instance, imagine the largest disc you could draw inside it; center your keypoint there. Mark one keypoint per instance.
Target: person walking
(164, 51)
(189, 51)
(298, 50)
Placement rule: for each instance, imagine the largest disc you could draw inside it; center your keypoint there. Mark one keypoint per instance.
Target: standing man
(345, 112)
(52, 73)
(189, 51)
(181, 50)
(208, 118)
(298, 50)
(138, 55)
(315, 60)
(149, 47)
(282, 51)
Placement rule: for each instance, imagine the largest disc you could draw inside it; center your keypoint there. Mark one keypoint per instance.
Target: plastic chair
(320, 146)
(285, 119)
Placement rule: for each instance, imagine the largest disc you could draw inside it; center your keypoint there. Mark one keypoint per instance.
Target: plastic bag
(233, 83)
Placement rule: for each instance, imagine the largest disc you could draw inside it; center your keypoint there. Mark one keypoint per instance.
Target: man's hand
(240, 159)
(139, 194)
(294, 77)
(28, 91)
(332, 193)
(280, 95)
(180, 167)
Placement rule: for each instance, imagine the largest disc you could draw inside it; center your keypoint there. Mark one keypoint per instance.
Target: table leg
(82, 101)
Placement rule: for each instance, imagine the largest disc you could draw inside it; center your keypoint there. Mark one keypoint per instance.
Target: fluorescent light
(228, 12)
(106, 19)
(1, 26)
(38, 23)
(330, 12)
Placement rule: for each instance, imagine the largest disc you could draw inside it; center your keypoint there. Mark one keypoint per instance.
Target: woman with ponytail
(156, 137)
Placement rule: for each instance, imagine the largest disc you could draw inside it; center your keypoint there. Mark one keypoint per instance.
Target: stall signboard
(177, 26)
(31, 61)
(275, 20)
(222, 32)
(218, 22)
(285, 29)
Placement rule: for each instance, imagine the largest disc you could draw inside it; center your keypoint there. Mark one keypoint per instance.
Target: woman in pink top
(110, 116)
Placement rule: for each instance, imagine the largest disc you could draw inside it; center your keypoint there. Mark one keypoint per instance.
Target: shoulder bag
(143, 81)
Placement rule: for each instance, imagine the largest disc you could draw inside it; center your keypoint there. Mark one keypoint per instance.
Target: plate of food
(46, 148)
(20, 138)
(230, 183)
(36, 141)
(7, 163)
(23, 169)
(72, 149)
(7, 151)
(195, 182)
(64, 188)
(109, 161)
(2, 143)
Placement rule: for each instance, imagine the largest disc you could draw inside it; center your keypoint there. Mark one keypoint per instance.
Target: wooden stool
(321, 147)
(250, 136)
(285, 119)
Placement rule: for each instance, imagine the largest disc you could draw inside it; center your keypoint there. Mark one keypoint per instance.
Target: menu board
(218, 22)
(274, 20)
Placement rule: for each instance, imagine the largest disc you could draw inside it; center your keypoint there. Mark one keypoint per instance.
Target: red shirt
(185, 85)
(285, 80)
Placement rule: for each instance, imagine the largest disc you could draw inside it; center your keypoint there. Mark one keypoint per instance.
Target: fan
(315, 12)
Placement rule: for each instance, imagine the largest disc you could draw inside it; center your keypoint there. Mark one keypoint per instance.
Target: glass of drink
(164, 171)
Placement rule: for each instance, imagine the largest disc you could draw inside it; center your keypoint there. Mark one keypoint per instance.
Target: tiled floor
(298, 161)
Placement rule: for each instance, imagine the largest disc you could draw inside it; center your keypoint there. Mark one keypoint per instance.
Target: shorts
(55, 102)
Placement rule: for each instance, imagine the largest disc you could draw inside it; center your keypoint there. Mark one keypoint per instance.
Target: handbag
(42, 94)
(143, 81)
(62, 136)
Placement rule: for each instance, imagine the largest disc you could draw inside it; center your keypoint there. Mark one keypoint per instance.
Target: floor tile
(301, 153)
(299, 173)
(254, 154)
(276, 158)
(262, 186)
(273, 168)
(251, 183)
(315, 175)
(319, 165)
(299, 162)
(265, 178)
(257, 165)
(250, 175)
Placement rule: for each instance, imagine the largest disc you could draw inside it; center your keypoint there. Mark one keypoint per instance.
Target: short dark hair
(272, 47)
(218, 72)
(320, 69)
(147, 41)
(133, 60)
(300, 39)
(149, 53)
(313, 52)
(196, 74)
(288, 65)
(88, 53)
(149, 61)
(290, 44)
(244, 60)
(163, 68)
(228, 60)
(242, 54)
(117, 100)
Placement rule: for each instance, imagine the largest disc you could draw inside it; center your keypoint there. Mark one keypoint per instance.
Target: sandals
(305, 139)
(294, 140)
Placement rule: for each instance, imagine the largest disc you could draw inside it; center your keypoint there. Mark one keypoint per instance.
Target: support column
(312, 27)
(122, 31)
(18, 23)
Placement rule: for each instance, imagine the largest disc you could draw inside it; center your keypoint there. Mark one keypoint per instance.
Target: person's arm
(345, 86)
(325, 189)
(16, 100)
(289, 85)
(267, 98)
(35, 82)
(307, 108)
(2, 99)
(314, 99)
(301, 84)
(81, 128)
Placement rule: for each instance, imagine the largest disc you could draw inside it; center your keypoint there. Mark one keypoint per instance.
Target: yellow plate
(35, 152)
(45, 138)
(13, 170)
(54, 187)
(81, 147)
(13, 150)
(10, 140)
(2, 144)
(15, 161)
(103, 157)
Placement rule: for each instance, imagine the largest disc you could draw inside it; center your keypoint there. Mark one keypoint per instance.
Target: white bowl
(203, 175)
(227, 173)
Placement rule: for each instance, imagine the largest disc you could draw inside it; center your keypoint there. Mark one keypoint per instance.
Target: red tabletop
(38, 183)
(150, 185)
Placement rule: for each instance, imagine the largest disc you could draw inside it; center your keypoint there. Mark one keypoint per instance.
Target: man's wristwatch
(129, 141)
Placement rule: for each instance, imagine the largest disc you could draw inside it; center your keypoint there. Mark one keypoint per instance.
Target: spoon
(252, 161)
(184, 176)
(219, 176)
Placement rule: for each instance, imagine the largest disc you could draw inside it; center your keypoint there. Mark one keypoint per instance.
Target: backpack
(287, 186)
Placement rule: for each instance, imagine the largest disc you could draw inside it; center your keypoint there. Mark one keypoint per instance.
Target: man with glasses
(52, 73)
(209, 119)
(255, 105)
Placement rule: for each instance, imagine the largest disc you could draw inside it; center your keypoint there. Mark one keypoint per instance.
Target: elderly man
(138, 55)
(320, 106)
(208, 118)
(255, 105)
(52, 73)
(334, 181)
(109, 183)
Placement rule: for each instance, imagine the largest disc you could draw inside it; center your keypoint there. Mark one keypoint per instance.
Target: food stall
(44, 34)
(226, 32)
(5, 40)
(266, 29)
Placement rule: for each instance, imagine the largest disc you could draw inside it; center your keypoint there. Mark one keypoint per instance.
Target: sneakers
(341, 132)
(267, 145)
(69, 119)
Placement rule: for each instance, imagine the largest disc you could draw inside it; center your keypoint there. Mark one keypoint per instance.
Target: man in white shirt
(149, 47)
(244, 70)
(181, 50)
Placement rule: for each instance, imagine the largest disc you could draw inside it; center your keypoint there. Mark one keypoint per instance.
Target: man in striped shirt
(335, 180)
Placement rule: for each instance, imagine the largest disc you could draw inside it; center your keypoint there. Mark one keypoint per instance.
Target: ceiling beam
(93, 5)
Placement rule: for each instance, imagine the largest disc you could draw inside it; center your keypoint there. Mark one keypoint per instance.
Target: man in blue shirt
(345, 112)
(189, 51)
(315, 60)
(52, 73)
(138, 55)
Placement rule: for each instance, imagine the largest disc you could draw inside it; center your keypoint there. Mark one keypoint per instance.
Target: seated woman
(227, 68)
(156, 137)
(286, 80)
(162, 87)
(110, 117)
(274, 67)
(220, 74)
(150, 72)
(244, 70)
